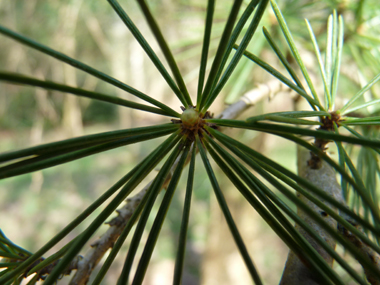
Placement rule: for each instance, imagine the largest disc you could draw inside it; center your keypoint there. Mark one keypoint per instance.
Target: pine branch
(106, 241)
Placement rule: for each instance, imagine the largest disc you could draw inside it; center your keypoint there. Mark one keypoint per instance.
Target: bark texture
(297, 271)
(366, 250)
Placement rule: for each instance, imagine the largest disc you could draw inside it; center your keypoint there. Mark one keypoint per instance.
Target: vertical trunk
(72, 114)
(297, 271)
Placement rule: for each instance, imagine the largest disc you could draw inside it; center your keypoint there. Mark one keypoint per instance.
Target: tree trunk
(296, 271)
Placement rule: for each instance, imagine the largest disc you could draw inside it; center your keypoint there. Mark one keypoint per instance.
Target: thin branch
(249, 99)
(87, 264)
